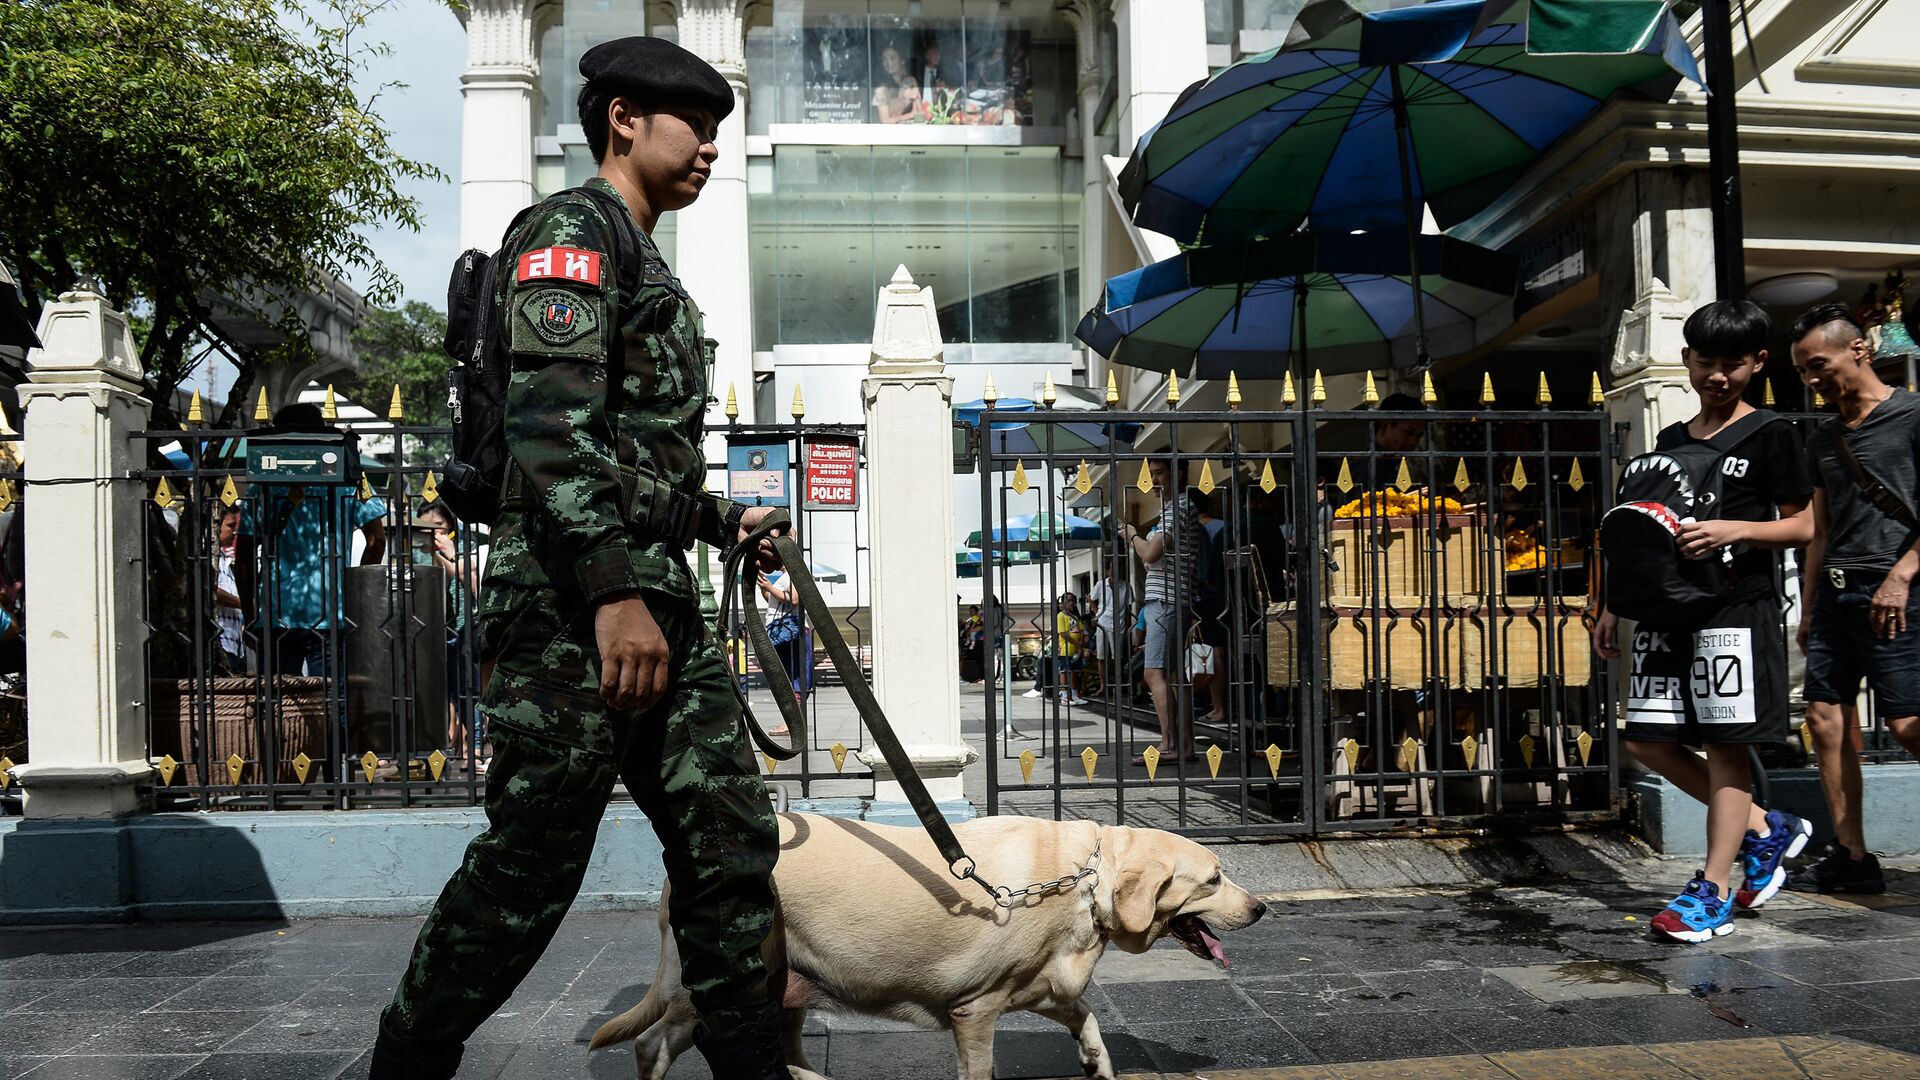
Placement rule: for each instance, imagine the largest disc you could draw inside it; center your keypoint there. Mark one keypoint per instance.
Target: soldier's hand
(633, 654)
(769, 558)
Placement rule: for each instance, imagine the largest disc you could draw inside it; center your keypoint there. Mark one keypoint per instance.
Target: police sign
(832, 473)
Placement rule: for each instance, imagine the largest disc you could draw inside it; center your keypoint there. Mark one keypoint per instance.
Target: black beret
(656, 70)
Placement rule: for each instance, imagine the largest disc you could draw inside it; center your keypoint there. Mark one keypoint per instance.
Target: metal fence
(1387, 624)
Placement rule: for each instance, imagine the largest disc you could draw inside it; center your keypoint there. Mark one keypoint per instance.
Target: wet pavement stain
(1707, 992)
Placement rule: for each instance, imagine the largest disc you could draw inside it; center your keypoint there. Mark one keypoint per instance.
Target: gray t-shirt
(1861, 536)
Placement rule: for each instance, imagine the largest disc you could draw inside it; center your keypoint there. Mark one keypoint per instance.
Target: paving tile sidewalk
(1401, 976)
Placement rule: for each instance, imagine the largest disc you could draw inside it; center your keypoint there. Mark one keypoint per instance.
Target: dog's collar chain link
(1004, 897)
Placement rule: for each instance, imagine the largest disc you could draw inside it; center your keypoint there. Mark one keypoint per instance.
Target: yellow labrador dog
(870, 922)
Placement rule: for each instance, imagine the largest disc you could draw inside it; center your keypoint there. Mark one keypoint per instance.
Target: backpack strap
(1730, 437)
(1876, 492)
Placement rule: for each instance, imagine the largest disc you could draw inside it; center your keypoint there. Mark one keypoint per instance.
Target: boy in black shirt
(1861, 620)
(1722, 687)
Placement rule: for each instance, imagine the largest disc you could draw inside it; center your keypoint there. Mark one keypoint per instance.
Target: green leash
(739, 576)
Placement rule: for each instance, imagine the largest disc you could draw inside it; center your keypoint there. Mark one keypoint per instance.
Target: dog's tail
(630, 1023)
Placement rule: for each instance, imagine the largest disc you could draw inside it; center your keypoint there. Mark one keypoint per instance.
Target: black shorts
(1842, 649)
(1722, 684)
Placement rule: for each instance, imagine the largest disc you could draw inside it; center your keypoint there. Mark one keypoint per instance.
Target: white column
(85, 639)
(1163, 50)
(496, 122)
(1655, 248)
(712, 244)
(916, 670)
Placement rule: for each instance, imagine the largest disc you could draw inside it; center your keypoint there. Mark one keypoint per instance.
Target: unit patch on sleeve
(559, 264)
(559, 316)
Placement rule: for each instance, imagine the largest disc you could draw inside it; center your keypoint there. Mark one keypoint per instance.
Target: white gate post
(85, 634)
(916, 660)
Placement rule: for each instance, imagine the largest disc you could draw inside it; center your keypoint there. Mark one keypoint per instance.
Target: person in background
(303, 529)
(973, 645)
(1111, 608)
(897, 97)
(437, 545)
(228, 611)
(780, 603)
(1170, 553)
(1858, 575)
(1210, 608)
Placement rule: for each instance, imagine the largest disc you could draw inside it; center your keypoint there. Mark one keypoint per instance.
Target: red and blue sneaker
(1761, 857)
(1698, 914)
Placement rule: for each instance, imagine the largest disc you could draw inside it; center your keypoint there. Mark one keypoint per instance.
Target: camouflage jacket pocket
(573, 716)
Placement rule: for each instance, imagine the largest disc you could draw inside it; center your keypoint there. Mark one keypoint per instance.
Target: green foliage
(403, 348)
(193, 155)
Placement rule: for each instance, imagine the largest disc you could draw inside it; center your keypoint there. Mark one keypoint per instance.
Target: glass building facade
(929, 133)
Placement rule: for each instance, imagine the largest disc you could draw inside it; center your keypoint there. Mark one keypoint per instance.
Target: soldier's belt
(651, 506)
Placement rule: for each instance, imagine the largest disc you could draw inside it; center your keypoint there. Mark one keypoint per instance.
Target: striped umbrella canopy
(1352, 311)
(1363, 116)
(1008, 434)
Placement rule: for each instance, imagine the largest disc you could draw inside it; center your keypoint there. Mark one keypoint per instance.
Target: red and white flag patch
(560, 264)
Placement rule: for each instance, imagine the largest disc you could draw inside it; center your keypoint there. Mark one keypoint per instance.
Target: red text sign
(560, 264)
(832, 475)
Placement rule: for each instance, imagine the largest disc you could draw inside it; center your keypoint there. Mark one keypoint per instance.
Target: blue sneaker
(1697, 914)
(1761, 856)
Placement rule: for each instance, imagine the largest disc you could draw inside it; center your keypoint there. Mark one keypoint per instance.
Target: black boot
(748, 1052)
(395, 1058)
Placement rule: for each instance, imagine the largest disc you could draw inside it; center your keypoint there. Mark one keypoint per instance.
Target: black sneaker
(1839, 871)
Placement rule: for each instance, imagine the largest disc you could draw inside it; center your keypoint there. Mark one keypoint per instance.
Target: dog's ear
(1141, 877)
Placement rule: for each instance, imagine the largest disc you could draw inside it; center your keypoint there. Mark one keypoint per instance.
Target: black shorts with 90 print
(1725, 683)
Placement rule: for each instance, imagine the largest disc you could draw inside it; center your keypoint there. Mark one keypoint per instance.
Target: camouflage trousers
(557, 750)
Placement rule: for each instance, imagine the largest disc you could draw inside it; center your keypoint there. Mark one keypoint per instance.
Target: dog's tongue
(1212, 943)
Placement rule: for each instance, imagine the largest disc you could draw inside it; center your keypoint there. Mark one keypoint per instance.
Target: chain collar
(1004, 897)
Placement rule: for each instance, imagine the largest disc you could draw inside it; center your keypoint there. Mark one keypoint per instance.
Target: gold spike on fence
(6, 496)
(1470, 750)
(1319, 396)
(229, 492)
(839, 755)
(235, 766)
(365, 494)
(1345, 480)
(1584, 743)
(1460, 480)
(1113, 390)
(302, 765)
(330, 408)
(1150, 757)
(1543, 396)
(1026, 766)
(369, 764)
(1369, 393)
(1287, 397)
(1409, 754)
(1575, 479)
(1173, 388)
(772, 765)
(1020, 483)
(6, 773)
(1765, 399)
(196, 413)
(1214, 755)
(1818, 401)
(1526, 750)
(436, 764)
(1519, 480)
(1145, 482)
(1274, 754)
(1428, 397)
(163, 494)
(1404, 481)
(1596, 396)
(1486, 390)
(733, 403)
(1233, 391)
(799, 406)
(1267, 482)
(430, 490)
(989, 395)
(166, 767)
(396, 409)
(1048, 395)
(1083, 479)
(1351, 750)
(262, 414)
(1090, 758)
(1206, 484)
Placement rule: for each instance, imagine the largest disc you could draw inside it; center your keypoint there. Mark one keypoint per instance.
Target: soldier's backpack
(477, 382)
(1647, 577)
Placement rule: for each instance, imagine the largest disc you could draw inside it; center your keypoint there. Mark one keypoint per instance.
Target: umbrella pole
(1401, 138)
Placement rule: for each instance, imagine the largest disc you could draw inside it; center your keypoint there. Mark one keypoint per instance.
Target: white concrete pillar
(916, 669)
(713, 250)
(84, 630)
(1163, 49)
(496, 122)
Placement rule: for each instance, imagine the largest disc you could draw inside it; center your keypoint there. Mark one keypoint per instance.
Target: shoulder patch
(559, 264)
(558, 316)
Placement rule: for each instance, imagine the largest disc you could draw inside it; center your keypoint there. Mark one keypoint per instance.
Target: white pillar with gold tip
(909, 412)
(82, 404)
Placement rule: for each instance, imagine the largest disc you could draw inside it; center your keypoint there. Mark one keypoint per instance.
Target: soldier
(598, 664)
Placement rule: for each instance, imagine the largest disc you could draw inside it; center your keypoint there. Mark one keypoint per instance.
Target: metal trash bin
(396, 659)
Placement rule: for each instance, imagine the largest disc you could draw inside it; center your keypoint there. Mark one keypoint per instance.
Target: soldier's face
(675, 154)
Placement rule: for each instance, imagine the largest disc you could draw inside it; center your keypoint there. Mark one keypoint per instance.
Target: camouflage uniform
(559, 546)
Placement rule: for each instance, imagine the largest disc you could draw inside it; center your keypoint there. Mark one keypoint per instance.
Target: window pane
(823, 253)
(1017, 244)
(920, 222)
